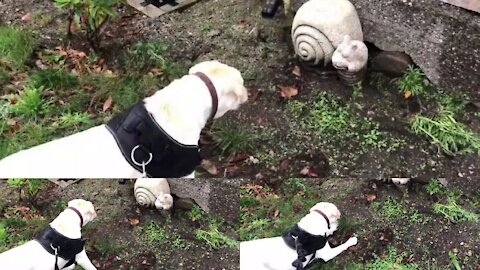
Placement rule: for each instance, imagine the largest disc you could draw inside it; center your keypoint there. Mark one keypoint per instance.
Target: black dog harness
(305, 243)
(149, 149)
(60, 246)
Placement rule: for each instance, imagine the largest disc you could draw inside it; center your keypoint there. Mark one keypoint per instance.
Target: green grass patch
(215, 238)
(154, 234)
(55, 79)
(144, 57)
(233, 139)
(447, 134)
(107, 247)
(392, 209)
(30, 103)
(16, 46)
(74, 122)
(454, 212)
(337, 124)
(393, 261)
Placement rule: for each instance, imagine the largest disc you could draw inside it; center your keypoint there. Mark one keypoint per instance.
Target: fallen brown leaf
(284, 165)
(134, 221)
(288, 91)
(239, 157)
(107, 104)
(276, 213)
(209, 166)
(27, 17)
(407, 94)
(371, 197)
(309, 171)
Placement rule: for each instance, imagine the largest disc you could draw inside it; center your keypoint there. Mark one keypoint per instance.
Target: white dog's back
(90, 151)
(33, 255)
(266, 254)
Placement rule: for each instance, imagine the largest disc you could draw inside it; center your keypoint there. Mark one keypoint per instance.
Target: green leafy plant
(27, 188)
(445, 132)
(434, 187)
(454, 259)
(215, 238)
(233, 140)
(196, 213)
(91, 15)
(30, 104)
(74, 120)
(454, 212)
(413, 82)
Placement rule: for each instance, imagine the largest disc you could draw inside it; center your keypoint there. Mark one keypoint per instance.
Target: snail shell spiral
(319, 27)
(311, 45)
(145, 197)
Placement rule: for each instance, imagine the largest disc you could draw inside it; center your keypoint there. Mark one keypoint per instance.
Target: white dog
(307, 241)
(65, 228)
(176, 113)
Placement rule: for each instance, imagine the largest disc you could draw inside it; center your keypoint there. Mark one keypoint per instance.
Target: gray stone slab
(219, 197)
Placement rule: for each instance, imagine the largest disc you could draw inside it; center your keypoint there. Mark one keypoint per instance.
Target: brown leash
(323, 215)
(78, 213)
(213, 94)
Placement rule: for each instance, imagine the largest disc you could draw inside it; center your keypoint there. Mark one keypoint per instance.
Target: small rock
(391, 63)
(184, 203)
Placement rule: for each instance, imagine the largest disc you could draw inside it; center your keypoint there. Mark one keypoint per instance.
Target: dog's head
(85, 208)
(164, 202)
(314, 223)
(228, 83)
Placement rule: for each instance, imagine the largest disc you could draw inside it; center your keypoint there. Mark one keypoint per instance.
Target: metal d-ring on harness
(55, 249)
(144, 163)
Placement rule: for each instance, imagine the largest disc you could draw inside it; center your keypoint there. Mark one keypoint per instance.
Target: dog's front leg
(327, 253)
(83, 260)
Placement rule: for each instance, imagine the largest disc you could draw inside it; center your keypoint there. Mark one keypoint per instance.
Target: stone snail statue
(151, 192)
(350, 61)
(319, 27)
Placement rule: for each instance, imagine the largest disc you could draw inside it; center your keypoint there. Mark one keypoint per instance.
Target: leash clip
(144, 163)
(55, 249)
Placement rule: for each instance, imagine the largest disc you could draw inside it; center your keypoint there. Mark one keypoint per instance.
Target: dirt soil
(116, 239)
(415, 230)
(233, 31)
